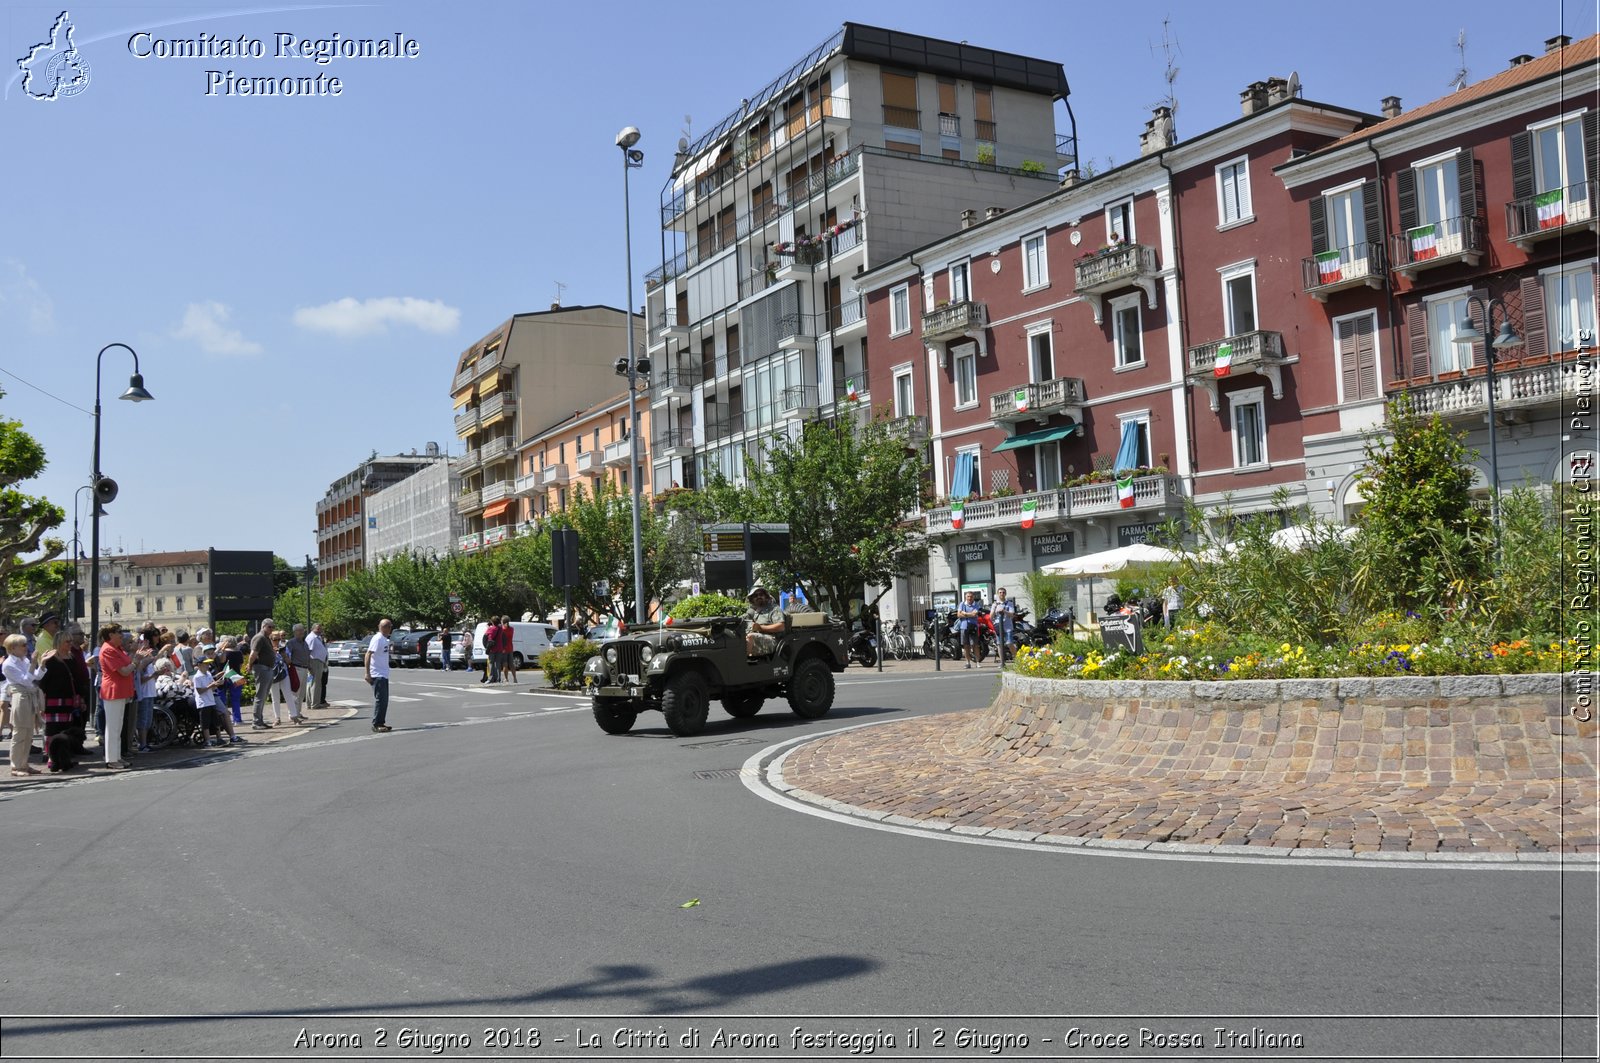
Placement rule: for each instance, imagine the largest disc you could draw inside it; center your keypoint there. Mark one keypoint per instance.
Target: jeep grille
(630, 658)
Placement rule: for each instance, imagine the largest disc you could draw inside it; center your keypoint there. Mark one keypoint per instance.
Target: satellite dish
(683, 143)
(1294, 84)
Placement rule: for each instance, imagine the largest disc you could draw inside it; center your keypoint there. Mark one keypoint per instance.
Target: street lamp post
(632, 158)
(104, 489)
(1466, 335)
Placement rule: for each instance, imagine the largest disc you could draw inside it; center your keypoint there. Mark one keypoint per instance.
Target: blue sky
(299, 274)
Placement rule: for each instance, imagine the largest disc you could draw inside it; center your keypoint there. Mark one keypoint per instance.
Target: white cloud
(23, 300)
(207, 325)
(367, 317)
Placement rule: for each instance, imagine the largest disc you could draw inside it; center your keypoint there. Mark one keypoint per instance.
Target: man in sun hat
(766, 622)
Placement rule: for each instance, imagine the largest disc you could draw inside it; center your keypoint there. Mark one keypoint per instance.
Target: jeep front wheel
(742, 706)
(614, 715)
(685, 702)
(811, 689)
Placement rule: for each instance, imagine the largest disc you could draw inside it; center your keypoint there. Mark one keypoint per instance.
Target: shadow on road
(779, 720)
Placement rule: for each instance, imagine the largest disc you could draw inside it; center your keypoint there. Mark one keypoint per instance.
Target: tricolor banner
(1028, 507)
(1424, 242)
(1328, 271)
(956, 517)
(1552, 211)
(1021, 397)
(850, 391)
(1125, 491)
(1224, 359)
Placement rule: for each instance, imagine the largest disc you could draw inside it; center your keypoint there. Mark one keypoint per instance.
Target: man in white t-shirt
(318, 697)
(377, 662)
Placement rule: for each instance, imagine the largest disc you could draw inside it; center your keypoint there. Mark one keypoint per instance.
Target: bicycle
(897, 643)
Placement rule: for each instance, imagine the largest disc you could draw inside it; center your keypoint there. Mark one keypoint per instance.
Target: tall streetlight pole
(105, 489)
(1466, 335)
(632, 159)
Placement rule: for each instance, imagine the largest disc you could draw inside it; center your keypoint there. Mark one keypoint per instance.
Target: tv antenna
(1459, 80)
(1169, 46)
(560, 289)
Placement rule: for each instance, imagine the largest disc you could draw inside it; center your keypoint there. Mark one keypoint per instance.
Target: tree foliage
(604, 523)
(30, 576)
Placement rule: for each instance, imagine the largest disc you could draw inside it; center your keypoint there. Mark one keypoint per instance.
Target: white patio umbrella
(1110, 563)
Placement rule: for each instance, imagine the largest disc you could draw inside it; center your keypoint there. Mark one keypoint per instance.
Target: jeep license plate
(633, 680)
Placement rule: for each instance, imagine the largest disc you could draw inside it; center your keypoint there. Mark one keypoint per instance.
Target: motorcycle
(863, 647)
(1054, 622)
(941, 635)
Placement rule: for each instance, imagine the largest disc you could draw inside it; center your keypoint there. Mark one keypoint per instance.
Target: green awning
(1029, 439)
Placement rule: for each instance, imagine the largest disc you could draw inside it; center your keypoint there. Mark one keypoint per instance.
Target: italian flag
(1125, 491)
(1424, 242)
(1028, 507)
(1551, 211)
(1021, 398)
(1224, 359)
(1328, 267)
(850, 391)
(956, 518)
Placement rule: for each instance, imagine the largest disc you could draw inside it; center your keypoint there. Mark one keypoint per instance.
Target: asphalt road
(497, 855)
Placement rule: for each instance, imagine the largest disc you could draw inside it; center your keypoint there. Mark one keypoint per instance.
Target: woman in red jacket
(117, 666)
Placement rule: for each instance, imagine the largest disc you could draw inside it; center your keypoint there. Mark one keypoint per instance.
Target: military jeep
(679, 667)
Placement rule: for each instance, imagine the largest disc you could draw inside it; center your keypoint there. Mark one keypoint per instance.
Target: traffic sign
(457, 608)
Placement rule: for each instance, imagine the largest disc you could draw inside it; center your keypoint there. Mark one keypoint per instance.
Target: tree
(27, 583)
(604, 523)
(845, 489)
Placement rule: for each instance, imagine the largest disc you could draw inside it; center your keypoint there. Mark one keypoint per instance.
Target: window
(1233, 193)
(900, 100)
(1356, 346)
(1035, 265)
(1347, 222)
(178, 603)
(968, 472)
(1445, 315)
(1128, 331)
(578, 444)
(180, 580)
(138, 605)
(138, 581)
(1558, 157)
(1141, 429)
(116, 607)
(1239, 298)
(1046, 466)
(199, 602)
(966, 361)
(161, 605)
(1249, 419)
(1438, 192)
(960, 282)
(903, 394)
(1041, 354)
(116, 581)
(1119, 221)
(899, 310)
(1569, 308)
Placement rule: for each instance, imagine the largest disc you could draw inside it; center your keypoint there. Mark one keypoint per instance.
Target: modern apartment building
(342, 516)
(588, 450)
(415, 516)
(529, 372)
(873, 144)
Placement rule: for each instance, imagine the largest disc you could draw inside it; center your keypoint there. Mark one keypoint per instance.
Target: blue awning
(1031, 439)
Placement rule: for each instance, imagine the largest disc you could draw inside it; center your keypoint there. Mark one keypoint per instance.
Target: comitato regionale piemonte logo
(54, 69)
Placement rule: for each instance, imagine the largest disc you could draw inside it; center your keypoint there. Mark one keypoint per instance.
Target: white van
(529, 641)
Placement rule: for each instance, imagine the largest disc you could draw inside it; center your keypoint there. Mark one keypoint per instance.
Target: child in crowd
(205, 700)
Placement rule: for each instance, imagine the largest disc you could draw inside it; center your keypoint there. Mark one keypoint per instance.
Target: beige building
(530, 372)
(171, 588)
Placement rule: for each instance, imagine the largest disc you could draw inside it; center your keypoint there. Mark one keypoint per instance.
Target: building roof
(168, 559)
(1549, 65)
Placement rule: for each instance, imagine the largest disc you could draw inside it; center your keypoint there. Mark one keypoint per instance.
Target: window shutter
(1406, 185)
(1417, 340)
(1521, 165)
(1591, 145)
(1533, 335)
(1478, 311)
(1467, 182)
(1319, 226)
(1347, 360)
(1367, 357)
(1372, 206)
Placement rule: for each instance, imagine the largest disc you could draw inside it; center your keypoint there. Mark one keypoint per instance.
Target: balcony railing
(489, 362)
(668, 324)
(913, 425)
(462, 379)
(798, 401)
(470, 460)
(528, 485)
(848, 240)
(1000, 512)
(618, 452)
(1551, 213)
(674, 379)
(1130, 266)
(1047, 397)
(1158, 491)
(902, 117)
(497, 491)
(551, 475)
(1436, 244)
(586, 462)
(802, 189)
(850, 312)
(983, 130)
(469, 501)
(949, 125)
(1252, 352)
(1345, 267)
(957, 319)
(797, 331)
(495, 449)
(466, 422)
(667, 270)
(497, 405)
(670, 443)
(1515, 387)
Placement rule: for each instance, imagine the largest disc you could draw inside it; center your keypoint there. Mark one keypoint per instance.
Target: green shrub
(1030, 166)
(563, 665)
(707, 604)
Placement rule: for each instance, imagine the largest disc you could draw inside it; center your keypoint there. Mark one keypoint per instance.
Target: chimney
(969, 218)
(1518, 60)
(1390, 106)
(1158, 133)
(992, 212)
(1277, 90)
(1253, 98)
(1070, 177)
(556, 305)
(1556, 43)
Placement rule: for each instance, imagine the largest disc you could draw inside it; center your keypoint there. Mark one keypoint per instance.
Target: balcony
(1129, 266)
(495, 450)
(1552, 213)
(797, 332)
(489, 362)
(1039, 401)
(498, 491)
(1437, 244)
(528, 486)
(798, 402)
(1253, 352)
(1156, 491)
(618, 453)
(587, 462)
(668, 326)
(949, 125)
(836, 171)
(462, 379)
(914, 426)
(1346, 267)
(671, 444)
(554, 475)
(902, 117)
(674, 380)
(1554, 384)
(466, 422)
(846, 314)
(955, 321)
(470, 460)
(983, 130)
(1001, 512)
(495, 407)
(469, 502)
(469, 542)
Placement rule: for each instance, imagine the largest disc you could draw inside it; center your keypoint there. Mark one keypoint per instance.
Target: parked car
(529, 641)
(460, 649)
(346, 652)
(407, 646)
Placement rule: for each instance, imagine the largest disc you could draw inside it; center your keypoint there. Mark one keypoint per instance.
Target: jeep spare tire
(742, 706)
(614, 715)
(685, 702)
(811, 688)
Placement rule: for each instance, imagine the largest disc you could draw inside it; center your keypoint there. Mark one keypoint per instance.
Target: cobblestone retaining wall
(1423, 731)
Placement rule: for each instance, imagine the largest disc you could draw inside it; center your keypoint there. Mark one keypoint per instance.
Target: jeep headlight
(611, 655)
(645, 653)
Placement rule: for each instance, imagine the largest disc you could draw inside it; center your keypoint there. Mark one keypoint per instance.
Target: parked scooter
(863, 647)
